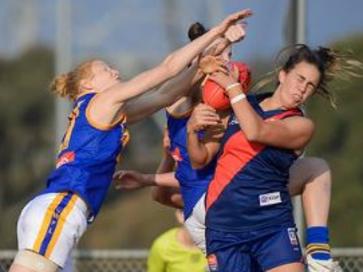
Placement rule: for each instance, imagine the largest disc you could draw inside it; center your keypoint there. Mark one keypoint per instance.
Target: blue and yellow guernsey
(193, 182)
(87, 157)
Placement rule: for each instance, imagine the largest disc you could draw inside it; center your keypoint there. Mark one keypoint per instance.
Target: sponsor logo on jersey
(234, 121)
(125, 138)
(270, 199)
(67, 157)
(212, 262)
(292, 236)
(176, 154)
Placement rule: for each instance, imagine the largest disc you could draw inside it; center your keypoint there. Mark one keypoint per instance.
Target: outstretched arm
(169, 92)
(165, 186)
(131, 180)
(174, 63)
(106, 106)
(150, 102)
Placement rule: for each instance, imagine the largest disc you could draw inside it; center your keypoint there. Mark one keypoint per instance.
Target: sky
(133, 31)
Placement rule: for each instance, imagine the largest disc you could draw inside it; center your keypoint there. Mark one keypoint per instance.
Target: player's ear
(282, 76)
(85, 84)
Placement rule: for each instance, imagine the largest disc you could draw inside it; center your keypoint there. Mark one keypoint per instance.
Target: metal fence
(351, 260)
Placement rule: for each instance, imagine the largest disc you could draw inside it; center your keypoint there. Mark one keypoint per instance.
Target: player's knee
(318, 167)
(321, 165)
(321, 174)
(30, 261)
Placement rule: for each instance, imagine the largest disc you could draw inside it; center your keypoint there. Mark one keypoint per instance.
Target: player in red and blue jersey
(88, 153)
(249, 215)
(308, 176)
(229, 211)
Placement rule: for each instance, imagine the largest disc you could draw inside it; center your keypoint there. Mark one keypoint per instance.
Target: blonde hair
(68, 85)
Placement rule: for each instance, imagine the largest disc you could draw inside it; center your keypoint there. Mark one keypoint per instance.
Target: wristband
(238, 98)
(229, 87)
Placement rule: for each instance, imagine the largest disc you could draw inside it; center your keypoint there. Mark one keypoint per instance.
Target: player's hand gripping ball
(214, 95)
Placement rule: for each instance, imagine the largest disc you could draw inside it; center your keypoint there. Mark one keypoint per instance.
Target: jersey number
(67, 136)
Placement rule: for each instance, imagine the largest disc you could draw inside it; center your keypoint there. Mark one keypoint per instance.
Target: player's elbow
(199, 159)
(257, 133)
(253, 136)
(199, 164)
(303, 140)
(196, 165)
(253, 133)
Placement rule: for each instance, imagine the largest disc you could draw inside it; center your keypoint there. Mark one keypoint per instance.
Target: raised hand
(232, 19)
(210, 64)
(226, 79)
(235, 33)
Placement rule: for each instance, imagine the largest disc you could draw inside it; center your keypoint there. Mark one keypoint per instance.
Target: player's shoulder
(165, 239)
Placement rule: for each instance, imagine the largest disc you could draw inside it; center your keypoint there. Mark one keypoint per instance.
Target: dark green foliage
(339, 139)
(26, 133)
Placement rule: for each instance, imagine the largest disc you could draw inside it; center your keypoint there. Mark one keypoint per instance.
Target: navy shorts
(252, 251)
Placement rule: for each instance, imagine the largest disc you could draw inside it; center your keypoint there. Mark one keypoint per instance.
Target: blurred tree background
(339, 140)
(132, 219)
(26, 133)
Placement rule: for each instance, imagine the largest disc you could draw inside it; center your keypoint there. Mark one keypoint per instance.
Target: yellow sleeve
(156, 260)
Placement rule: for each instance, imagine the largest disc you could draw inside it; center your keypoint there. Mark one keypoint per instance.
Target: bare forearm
(165, 179)
(177, 87)
(188, 52)
(169, 68)
(183, 56)
(197, 151)
(248, 119)
(150, 102)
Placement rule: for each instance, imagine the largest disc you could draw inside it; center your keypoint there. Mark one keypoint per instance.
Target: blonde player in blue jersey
(51, 224)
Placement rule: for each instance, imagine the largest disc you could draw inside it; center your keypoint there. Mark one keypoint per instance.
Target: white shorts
(51, 225)
(195, 224)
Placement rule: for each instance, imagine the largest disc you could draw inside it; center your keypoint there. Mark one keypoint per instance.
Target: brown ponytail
(337, 65)
(69, 85)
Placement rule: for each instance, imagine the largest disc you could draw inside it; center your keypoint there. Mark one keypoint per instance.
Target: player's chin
(113, 82)
(293, 103)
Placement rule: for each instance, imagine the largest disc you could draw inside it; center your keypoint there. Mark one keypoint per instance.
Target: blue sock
(318, 243)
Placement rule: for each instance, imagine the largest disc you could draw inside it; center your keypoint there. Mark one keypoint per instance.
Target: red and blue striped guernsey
(249, 186)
